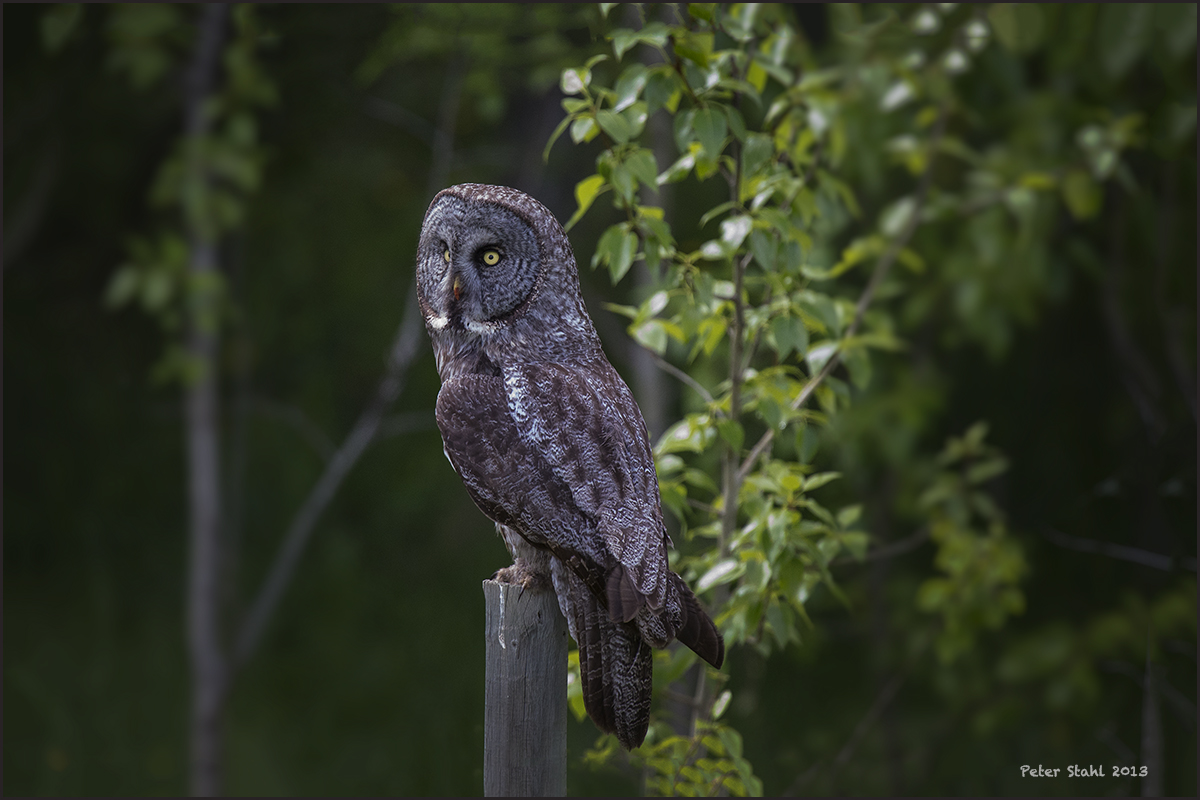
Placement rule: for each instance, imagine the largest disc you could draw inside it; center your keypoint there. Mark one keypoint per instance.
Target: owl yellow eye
(446, 255)
(491, 257)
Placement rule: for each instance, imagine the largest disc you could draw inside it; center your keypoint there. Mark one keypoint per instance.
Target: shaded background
(369, 679)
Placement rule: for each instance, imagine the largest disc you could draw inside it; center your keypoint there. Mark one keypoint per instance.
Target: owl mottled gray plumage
(550, 443)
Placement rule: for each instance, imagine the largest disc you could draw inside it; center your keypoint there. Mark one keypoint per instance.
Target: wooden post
(525, 698)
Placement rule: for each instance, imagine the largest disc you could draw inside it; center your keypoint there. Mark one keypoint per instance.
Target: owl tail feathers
(697, 630)
(616, 671)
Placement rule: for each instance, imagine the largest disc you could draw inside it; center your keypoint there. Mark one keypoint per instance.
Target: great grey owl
(550, 443)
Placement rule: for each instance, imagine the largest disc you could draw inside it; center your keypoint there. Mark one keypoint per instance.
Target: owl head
(494, 263)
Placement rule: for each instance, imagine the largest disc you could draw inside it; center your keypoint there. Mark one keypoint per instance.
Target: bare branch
(23, 225)
(882, 701)
(1152, 734)
(864, 301)
(890, 551)
(1184, 709)
(404, 348)
(299, 421)
(1123, 552)
(407, 422)
(399, 116)
(670, 368)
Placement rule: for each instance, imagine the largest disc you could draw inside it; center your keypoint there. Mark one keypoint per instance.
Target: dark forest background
(368, 678)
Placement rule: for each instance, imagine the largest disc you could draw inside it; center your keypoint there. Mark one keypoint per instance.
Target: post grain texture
(525, 698)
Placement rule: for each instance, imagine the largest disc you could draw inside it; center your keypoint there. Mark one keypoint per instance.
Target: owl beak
(457, 288)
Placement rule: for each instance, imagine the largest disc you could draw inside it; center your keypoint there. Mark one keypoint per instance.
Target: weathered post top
(525, 705)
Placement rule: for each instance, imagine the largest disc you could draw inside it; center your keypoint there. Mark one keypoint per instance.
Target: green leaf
(820, 479)
(790, 334)
(849, 515)
(58, 23)
(661, 85)
(721, 703)
(574, 80)
(710, 128)
(723, 571)
(1018, 26)
(986, 470)
(818, 356)
(896, 217)
(636, 116)
(629, 86)
(1082, 194)
(677, 171)
(122, 286)
(586, 192)
(607, 246)
(734, 231)
(732, 432)
(574, 684)
(623, 182)
(584, 129)
(624, 39)
(737, 124)
(562, 126)
(1124, 33)
(614, 125)
(622, 257)
(702, 11)
(858, 363)
(819, 307)
(808, 439)
(757, 152)
(765, 248)
(651, 334)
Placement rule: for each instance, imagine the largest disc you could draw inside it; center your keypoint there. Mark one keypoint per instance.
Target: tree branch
(891, 551)
(207, 660)
(404, 348)
(1123, 552)
(882, 701)
(881, 270)
(309, 431)
(675, 371)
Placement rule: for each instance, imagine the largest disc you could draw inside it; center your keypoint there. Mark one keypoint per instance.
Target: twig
(1169, 316)
(890, 551)
(300, 422)
(733, 477)
(407, 422)
(881, 269)
(1185, 709)
(670, 368)
(1108, 735)
(882, 701)
(1152, 740)
(1123, 552)
(31, 212)
(399, 116)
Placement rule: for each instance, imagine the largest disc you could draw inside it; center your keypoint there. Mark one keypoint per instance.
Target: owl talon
(521, 575)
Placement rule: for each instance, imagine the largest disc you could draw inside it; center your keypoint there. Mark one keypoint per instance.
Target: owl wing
(560, 453)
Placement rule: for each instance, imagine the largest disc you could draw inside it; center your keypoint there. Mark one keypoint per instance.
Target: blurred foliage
(884, 570)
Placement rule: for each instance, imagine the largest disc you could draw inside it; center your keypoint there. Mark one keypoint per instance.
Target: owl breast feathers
(549, 442)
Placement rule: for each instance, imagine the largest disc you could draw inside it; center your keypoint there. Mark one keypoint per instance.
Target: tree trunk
(201, 402)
